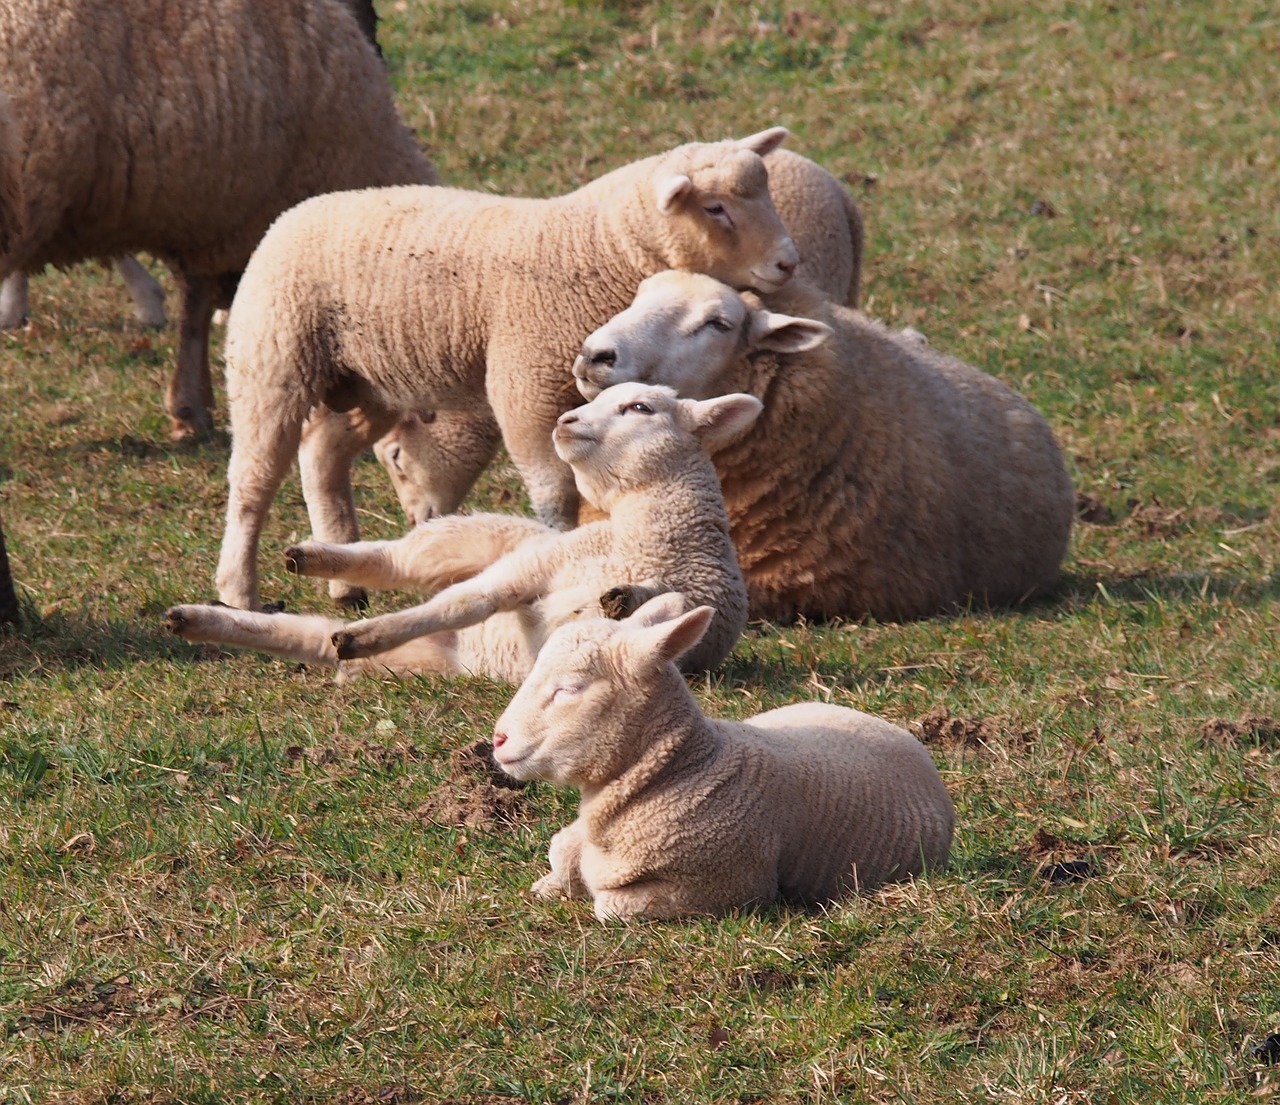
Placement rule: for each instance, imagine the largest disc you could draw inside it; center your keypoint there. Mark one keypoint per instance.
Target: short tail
(10, 176)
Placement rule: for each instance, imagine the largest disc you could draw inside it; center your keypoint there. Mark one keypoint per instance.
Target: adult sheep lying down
(884, 478)
(682, 813)
(398, 300)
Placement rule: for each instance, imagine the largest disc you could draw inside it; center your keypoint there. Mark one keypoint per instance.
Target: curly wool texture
(681, 813)
(883, 479)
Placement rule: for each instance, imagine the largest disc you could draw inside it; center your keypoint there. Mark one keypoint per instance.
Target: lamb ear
(764, 142)
(671, 189)
(721, 420)
(786, 333)
(660, 608)
(659, 644)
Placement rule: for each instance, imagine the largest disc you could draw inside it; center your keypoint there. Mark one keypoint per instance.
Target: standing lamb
(636, 451)
(434, 459)
(884, 479)
(406, 300)
(684, 814)
(184, 127)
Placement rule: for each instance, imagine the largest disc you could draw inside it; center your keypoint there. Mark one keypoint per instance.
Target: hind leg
(147, 294)
(14, 304)
(330, 443)
(189, 399)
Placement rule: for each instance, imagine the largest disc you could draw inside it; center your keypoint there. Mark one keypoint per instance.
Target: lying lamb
(184, 128)
(637, 452)
(681, 813)
(434, 458)
(883, 479)
(423, 299)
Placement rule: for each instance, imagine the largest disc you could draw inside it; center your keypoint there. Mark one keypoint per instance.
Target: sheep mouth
(588, 389)
(564, 436)
(768, 284)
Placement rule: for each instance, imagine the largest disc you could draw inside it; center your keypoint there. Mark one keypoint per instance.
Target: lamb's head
(687, 331)
(634, 435)
(715, 213)
(433, 459)
(587, 709)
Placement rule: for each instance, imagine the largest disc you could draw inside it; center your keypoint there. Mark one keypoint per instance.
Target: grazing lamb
(636, 451)
(681, 813)
(883, 479)
(433, 460)
(422, 299)
(183, 128)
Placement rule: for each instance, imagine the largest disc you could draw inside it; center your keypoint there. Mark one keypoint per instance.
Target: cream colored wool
(183, 128)
(884, 478)
(684, 814)
(433, 461)
(637, 451)
(405, 300)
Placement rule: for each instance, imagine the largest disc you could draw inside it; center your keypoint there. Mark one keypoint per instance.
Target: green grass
(224, 879)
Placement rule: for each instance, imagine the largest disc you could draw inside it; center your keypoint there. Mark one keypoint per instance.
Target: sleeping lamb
(884, 478)
(638, 453)
(684, 814)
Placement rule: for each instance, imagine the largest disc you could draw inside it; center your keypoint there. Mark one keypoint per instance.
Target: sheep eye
(715, 210)
(393, 455)
(560, 694)
(639, 408)
(721, 324)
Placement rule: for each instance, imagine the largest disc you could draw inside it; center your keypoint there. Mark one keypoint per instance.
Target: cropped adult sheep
(683, 814)
(637, 452)
(883, 479)
(183, 128)
(399, 300)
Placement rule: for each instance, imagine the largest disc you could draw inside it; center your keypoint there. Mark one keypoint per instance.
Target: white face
(682, 329)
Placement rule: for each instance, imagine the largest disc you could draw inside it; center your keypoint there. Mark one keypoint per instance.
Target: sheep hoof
(276, 607)
(189, 423)
(620, 602)
(357, 601)
(344, 645)
(294, 557)
(175, 621)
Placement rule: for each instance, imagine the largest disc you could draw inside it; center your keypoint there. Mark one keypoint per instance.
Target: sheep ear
(671, 189)
(765, 142)
(660, 608)
(721, 420)
(786, 333)
(655, 645)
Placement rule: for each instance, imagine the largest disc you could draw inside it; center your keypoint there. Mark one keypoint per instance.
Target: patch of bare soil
(1250, 729)
(937, 726)
(474, 793)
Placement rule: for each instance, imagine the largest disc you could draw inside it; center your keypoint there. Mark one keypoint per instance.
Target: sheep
(420, 299)
(884, 479)
(145, 291)
(10, 177)
(636, 451)
(184, 128)
(434, 459)
(681, 813)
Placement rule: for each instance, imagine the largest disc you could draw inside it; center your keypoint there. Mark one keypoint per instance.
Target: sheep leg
(264, 441)
(148, 295)
(434, 555)
(190, 397)
(304, 637)
(565, 856)
(14, 305)
(330, 443)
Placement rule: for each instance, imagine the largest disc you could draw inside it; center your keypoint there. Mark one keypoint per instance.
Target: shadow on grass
(1086, 588)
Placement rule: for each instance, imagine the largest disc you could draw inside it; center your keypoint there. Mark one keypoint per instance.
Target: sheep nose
(606, 357)
(499, 739)
(787, 268)
(567, 418)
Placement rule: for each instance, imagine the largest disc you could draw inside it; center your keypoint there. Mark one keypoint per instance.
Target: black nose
(787, 267)
(606, 357)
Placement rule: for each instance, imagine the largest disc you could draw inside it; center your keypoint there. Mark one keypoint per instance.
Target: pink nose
(499, 739)
(787, 267)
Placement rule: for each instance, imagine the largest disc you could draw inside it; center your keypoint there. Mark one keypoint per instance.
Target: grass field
(224, 879)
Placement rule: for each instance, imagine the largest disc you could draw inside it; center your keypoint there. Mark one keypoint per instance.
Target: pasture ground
(224, 879)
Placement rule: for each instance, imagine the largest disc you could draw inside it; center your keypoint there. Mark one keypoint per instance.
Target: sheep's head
(636, 435)
(715, 214)
(580, 717)
(687, 331)
(434, 459)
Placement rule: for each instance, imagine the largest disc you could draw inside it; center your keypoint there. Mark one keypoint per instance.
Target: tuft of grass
(224, 878)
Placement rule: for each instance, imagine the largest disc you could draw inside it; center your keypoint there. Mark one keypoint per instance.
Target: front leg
(302, 637)
(189, 399)
(565, 855)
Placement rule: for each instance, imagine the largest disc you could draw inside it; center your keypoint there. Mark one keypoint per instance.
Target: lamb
(636, 451)
(681, 813)
(184, 128)
(399, 300)
(434, 459)
(884, 479)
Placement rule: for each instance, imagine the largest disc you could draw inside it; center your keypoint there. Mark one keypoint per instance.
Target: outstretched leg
(330, 443)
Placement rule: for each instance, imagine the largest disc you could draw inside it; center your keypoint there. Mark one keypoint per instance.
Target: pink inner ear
(671, 190)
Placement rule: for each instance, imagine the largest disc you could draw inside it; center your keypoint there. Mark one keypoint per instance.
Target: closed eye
(566, 693)
(718, 323)
(719, 212)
